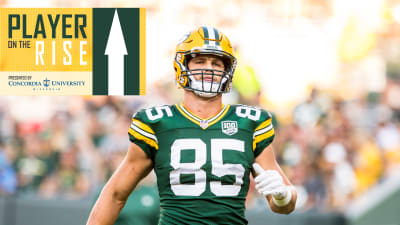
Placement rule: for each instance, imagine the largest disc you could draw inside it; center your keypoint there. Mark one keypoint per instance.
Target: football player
(201, 150)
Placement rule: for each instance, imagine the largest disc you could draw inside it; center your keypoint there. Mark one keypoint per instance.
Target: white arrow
(116, 50)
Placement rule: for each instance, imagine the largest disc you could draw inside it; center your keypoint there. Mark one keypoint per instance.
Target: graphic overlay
(72, 51)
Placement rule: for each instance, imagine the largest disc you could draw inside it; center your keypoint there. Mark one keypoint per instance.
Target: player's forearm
(286, 209)
(112, 199)
(106, 210)
(110, 202)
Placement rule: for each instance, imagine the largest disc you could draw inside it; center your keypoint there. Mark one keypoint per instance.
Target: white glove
(270, 182)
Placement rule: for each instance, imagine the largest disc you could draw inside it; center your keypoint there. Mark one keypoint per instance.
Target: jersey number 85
(218, 168)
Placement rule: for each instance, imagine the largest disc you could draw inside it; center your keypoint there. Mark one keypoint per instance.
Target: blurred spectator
(307, 114)
(340, 172)
(66, 180)
(368, 162)
(8, 178)
(32, 164)
(315, 187)
(388, 139)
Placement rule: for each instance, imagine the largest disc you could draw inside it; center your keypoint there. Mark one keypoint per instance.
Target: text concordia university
(53, 83)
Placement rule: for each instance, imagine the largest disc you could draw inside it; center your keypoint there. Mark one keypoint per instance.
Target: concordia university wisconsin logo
(229, 127)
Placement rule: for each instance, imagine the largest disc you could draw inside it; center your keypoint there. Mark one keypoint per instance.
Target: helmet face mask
(202, 86)
(207, 41)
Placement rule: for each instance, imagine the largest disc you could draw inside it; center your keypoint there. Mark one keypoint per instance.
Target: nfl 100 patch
(229, 127)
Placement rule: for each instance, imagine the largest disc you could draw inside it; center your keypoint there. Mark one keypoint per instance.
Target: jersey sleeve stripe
(144, 133)
(262, 137)
(266, 129)
(142, 126)
(264, 124)
(138, 136)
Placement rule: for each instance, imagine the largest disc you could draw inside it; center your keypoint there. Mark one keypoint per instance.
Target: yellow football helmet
(204, 40)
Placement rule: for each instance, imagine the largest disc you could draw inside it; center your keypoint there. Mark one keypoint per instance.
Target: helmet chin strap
(205, 94)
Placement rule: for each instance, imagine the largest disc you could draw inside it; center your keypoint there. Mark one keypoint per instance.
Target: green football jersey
(202, 166)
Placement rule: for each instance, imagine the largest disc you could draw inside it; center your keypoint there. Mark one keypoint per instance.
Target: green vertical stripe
(130, 19)
(205, 31)
(102, 20)
(216, 36)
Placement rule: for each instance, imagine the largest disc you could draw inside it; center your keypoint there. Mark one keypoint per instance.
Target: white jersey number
(219, 169)
(199, 186)
(158, 112)
(249, 112)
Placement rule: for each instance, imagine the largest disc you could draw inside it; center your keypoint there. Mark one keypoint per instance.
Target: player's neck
(202, 107)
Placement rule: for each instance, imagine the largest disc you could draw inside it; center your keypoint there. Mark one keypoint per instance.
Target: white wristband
(285, 201)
